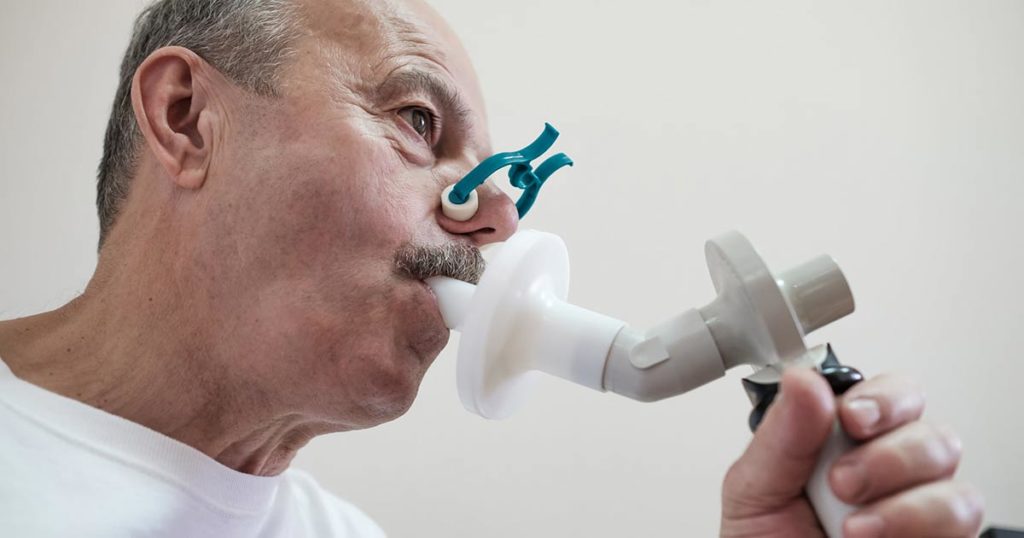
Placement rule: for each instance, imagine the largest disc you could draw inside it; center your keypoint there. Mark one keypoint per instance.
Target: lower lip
(433, 298)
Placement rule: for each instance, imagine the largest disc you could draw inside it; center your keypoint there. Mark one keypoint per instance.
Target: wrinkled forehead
(371, 39)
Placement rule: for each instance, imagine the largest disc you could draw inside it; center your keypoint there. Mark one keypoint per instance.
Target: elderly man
(268, 203)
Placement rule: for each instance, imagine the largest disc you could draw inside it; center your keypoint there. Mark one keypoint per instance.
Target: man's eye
(421, 120)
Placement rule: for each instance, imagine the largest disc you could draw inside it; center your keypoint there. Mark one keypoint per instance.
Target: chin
(383, 379)
(390, 392)
(385, 376)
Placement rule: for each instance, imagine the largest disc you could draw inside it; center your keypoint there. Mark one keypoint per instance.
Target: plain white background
(888, 134)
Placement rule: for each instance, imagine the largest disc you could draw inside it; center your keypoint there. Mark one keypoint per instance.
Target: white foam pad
(459, 212)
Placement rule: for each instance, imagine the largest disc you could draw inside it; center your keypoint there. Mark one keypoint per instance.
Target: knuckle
(730, 474)
(735, 479)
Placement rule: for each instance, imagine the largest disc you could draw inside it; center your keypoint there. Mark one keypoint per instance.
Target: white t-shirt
(69, 469)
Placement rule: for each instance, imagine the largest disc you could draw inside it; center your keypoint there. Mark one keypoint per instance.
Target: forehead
(371, 39)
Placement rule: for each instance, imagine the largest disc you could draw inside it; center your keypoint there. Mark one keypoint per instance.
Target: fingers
(783, 452)
(875, 406)
(909, 456)
(940, 509)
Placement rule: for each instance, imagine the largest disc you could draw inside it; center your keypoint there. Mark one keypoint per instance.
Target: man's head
(247, 40)
(272, 174)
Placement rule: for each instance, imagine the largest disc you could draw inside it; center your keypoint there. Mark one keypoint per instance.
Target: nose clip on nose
(460, 201)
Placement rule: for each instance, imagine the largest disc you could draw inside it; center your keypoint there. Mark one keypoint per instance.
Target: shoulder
(325, 511)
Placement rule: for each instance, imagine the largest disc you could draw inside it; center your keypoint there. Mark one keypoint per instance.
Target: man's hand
(900, 475)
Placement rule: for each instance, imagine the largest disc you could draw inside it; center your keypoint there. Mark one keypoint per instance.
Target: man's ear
(176, 114)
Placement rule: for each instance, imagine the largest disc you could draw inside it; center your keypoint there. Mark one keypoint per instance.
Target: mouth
(430, 292)
(435, 333)
(418, 263)
(431, 299)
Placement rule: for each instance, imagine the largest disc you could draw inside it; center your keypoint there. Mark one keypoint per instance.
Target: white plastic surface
(453, 298)
(676, 356)
(750, 320)
(762, 320)
(517, 321)
(831, 511)
(459, 212)
(817, 291)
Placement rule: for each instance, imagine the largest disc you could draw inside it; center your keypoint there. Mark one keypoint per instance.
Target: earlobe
(174, 114)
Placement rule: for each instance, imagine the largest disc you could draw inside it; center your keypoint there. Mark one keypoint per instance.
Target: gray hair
(246, 40)
(453, 260)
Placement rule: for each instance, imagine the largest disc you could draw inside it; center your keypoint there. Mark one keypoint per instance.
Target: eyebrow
(419, 81)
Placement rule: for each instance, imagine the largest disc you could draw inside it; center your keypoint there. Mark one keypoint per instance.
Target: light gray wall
(888, 134)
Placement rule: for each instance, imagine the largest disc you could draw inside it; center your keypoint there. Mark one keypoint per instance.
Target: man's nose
(495, 220)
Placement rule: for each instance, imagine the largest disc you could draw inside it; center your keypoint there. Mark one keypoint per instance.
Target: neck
(129, 346)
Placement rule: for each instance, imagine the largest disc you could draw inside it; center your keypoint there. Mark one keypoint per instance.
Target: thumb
(779, 460)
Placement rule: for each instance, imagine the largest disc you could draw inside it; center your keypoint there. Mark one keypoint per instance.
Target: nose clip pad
(521, 175)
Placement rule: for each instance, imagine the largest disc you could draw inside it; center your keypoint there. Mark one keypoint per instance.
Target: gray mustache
(461, 262)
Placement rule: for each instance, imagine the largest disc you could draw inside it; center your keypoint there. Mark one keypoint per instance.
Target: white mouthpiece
(517, 321)
(453, 298)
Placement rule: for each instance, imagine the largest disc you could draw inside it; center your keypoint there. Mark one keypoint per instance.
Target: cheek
(326, 179)
(317, 208)
(312, 228)
(366, 194)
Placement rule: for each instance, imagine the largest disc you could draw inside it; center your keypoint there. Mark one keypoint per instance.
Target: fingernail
(864, 526)
(849, 479)
(865, 411)
(952, 439)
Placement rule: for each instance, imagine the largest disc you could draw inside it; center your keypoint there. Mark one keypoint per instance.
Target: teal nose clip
(459, 201)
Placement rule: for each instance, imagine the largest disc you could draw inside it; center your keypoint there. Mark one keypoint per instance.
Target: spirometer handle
(831, 511)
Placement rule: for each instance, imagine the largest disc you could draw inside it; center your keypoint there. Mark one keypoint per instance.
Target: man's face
(323, 188)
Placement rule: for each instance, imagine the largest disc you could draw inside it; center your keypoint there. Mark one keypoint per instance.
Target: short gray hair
(246, 40)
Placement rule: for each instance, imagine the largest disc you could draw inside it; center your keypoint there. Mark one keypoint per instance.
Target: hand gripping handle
(831, 511)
